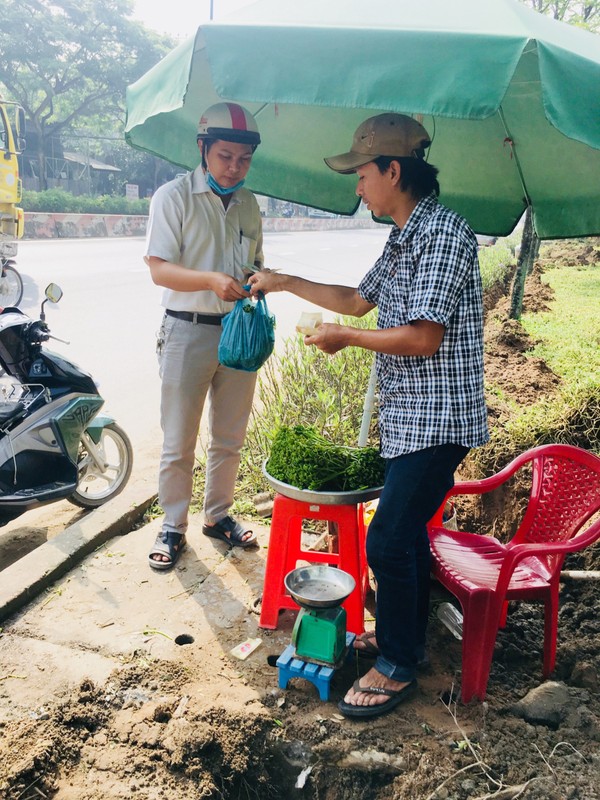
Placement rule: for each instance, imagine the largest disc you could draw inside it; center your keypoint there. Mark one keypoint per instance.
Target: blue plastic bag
(248, 335)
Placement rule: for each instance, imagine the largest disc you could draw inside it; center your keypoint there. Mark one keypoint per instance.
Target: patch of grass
(568, 338)
(494, 263)
(572, 417)
(569, 333)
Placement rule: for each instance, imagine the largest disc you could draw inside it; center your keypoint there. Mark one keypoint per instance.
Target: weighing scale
(319, 634)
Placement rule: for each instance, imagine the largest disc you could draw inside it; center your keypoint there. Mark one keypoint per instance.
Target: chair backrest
(565, 493)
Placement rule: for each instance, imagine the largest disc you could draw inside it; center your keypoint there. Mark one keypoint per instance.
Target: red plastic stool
(285, 550)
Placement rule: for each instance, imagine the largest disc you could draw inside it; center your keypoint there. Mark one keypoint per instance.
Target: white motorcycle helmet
(229, 122)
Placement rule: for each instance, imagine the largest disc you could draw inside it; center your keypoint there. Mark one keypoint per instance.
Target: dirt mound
(570, 252)
(510, 373)
(137, 741)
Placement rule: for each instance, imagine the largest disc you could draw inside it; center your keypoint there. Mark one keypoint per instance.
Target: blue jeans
(398, 553)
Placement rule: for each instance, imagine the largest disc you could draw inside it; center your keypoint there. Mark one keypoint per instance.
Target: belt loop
(195, 318)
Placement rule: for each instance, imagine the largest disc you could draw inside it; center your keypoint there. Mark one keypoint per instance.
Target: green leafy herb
(303, 458)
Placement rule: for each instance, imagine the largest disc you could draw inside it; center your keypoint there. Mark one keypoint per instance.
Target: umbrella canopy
(510, 98)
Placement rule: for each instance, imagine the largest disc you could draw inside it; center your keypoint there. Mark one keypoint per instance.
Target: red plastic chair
(485, 574)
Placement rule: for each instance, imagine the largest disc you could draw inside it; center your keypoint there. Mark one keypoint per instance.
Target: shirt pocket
(248, 251)
(393, 304)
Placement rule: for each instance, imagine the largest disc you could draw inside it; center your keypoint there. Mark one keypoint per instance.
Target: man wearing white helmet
(429, 355)
(203, 231)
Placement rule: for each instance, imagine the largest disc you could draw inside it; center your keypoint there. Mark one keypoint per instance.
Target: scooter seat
(10, 410)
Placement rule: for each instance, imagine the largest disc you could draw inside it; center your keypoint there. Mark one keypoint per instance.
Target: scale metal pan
(319, 586)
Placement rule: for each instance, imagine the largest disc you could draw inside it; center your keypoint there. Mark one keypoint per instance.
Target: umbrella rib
(262, 108)
(514, 153)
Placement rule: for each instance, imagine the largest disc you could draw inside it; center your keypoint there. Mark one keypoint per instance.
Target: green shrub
(57, 201)
(50, 201)
(303, 386)
(495, 263)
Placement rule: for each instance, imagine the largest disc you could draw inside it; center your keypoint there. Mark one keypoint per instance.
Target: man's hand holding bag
(248, 335)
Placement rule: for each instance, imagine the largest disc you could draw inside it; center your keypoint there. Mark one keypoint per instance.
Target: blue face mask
(216, 187)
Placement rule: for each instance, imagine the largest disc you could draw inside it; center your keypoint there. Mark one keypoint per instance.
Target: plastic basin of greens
(322, 498)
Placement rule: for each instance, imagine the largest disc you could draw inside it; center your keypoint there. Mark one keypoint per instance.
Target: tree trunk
(41, 158)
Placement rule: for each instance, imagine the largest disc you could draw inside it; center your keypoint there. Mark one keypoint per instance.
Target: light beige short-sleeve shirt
(188, 225)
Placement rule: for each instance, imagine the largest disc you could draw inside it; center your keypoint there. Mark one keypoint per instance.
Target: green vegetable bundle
(303, 458)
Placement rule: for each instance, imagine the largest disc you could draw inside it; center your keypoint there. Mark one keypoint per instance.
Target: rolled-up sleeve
(165, 223)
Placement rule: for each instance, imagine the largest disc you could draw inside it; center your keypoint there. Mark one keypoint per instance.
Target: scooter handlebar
(36, 332)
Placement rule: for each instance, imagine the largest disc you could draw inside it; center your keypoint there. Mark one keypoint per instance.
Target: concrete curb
(32, 574)
(39, 225)
(81, 226)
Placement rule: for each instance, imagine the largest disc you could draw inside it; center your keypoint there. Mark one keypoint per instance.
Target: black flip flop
(372, 651)
(170, 544)
(228, 525)
(368, 712)
(368, 650)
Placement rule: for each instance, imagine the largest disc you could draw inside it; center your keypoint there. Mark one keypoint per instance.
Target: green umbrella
(511, 99)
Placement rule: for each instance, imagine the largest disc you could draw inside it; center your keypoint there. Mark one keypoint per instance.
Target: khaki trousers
(190, 371)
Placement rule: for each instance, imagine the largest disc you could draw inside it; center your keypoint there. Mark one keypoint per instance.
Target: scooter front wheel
(104, 467)
(11, 286)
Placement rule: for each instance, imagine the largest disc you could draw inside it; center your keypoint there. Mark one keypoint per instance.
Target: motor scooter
(54, 443)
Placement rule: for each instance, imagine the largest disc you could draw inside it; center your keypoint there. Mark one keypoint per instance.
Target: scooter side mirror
(53, 292)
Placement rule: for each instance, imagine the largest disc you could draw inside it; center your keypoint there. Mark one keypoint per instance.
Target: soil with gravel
(152, 731)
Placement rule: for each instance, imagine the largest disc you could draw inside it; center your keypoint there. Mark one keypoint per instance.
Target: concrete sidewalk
(110, 610)
(24, 580)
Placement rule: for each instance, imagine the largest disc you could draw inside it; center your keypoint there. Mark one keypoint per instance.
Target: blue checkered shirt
(429, 271)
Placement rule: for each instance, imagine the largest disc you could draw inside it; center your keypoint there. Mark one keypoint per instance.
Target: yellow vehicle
(12, 142)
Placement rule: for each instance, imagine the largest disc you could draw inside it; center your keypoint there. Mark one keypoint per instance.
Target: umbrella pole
(368, 406)
(530, 247)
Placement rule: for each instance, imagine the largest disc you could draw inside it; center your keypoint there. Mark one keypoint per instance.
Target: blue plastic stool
(289, 666)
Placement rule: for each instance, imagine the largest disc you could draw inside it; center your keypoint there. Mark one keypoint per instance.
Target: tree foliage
(583, 13)
(68, 62)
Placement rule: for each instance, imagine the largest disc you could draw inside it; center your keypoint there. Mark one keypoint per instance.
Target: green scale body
(319, 635)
